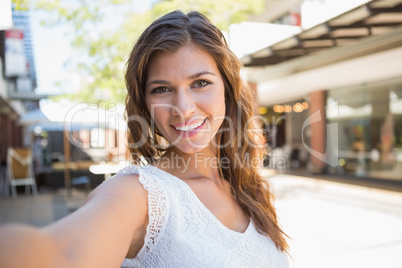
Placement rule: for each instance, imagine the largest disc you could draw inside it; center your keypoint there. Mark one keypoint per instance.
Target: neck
(188, 166)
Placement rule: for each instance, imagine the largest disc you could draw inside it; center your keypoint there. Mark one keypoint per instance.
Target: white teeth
(190, 127)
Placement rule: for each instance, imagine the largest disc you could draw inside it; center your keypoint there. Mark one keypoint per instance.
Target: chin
(190, 149)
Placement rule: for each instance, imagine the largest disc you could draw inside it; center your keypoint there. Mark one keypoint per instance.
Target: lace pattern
(157, 211)
(182, 232)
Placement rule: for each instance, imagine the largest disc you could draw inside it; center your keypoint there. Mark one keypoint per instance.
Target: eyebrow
(164, 82)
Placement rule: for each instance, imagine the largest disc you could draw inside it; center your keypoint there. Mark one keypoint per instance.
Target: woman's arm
(99, 234)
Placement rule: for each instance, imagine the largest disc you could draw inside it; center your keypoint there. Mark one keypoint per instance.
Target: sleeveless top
(182, 232)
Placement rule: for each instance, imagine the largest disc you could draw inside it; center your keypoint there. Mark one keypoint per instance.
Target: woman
(198, 201)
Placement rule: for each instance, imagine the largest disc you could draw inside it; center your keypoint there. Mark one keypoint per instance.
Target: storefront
(284, 132)
(348, 69)
(369, 120)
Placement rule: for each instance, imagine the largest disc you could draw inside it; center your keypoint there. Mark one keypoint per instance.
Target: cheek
(160, 116)
(214, 102)
(216, 107)
(220, 103)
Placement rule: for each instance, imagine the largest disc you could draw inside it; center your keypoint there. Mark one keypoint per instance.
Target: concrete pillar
(318, 130)
(381, 114)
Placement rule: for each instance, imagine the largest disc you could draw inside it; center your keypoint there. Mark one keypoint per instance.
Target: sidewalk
(40, 210)
(339, 225)
(330, 224)
(46, 208)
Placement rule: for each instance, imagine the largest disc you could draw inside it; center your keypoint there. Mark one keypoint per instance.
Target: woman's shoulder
(145, 179)
(125, 185)
(128, 170)
(149, 175)
(122, 190)
(146, 170)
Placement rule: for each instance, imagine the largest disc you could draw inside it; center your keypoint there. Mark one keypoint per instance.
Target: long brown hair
(166, 35)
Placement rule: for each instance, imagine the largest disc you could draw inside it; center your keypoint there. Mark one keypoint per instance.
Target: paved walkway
(339, 225)
(40, 210)
(331, 224)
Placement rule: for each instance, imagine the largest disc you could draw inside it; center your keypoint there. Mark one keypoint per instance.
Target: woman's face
(185, 96)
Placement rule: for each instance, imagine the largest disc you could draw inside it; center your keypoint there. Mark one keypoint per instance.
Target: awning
(54, 116)
(371, 19)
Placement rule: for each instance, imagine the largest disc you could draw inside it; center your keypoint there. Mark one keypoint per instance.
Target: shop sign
(15, 61)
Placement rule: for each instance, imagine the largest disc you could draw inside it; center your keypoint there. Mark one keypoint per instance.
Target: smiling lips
(190, 128)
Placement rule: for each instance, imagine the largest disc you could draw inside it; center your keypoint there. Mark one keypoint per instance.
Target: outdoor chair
(20, 170)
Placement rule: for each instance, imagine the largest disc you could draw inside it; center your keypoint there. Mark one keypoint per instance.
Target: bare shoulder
(122, 197)
(122, 194)
(123, 187)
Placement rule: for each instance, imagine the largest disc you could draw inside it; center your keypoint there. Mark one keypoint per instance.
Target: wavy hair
(167, 35)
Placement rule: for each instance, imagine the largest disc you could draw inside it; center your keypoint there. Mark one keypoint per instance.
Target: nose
(184, 104)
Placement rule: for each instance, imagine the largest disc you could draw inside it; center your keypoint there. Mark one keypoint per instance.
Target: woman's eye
(201, 83)
(159, 90)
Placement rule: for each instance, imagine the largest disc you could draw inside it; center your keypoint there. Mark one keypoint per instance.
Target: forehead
(187, 61)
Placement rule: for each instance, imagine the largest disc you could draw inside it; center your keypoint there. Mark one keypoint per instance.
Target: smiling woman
(186, 97)
(193, 197)
(200, 129)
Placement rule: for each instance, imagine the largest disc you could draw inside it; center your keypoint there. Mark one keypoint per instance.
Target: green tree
(20, 4)
(102, 51)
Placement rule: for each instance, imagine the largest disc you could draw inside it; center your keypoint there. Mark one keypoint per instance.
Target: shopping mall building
(331, 95)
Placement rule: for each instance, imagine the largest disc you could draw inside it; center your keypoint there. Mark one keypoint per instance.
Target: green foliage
(103, 51)
(20, 4)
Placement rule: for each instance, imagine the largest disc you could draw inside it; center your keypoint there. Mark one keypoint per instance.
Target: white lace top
(182, 232)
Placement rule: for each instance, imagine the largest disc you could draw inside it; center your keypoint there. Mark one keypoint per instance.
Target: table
(107, 168)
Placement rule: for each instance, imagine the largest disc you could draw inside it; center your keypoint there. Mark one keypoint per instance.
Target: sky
(52, 52)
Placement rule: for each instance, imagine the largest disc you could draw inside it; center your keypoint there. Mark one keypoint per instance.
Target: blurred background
(328, 78)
